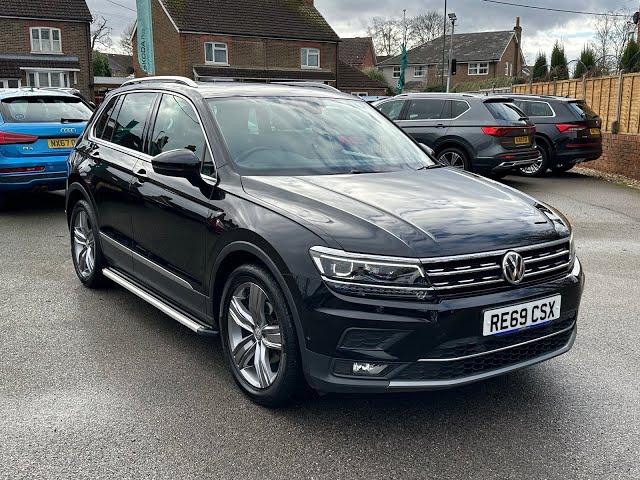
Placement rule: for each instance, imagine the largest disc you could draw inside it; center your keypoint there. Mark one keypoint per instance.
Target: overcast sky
(350, 17)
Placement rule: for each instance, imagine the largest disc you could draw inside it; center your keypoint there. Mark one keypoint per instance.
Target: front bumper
(431, 346)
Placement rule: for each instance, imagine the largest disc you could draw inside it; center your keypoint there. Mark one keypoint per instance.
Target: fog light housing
(369, 369)
(352, 368)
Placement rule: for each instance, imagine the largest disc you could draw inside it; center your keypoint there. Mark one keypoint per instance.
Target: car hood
(424, 213)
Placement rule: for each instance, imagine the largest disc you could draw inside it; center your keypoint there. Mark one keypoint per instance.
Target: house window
(310, 57)
(479, 68)
(48, 79)
(9, 82)
(506, 69)
(45, 40)
(396, 72)
(440, 73)
(216, 53)
(419, 71)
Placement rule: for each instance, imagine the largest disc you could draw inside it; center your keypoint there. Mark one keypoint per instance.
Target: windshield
(44, 109)
(312, 136)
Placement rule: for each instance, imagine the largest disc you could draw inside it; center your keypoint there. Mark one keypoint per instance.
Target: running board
(189, 322)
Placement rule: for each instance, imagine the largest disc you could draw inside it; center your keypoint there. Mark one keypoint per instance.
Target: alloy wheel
(84, 244)
(452, 159)
(533, 168)
(254, 335)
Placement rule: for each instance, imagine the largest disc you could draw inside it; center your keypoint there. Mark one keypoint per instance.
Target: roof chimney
(309, 2)
(517, 55)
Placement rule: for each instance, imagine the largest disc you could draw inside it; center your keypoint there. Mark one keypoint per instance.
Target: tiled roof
(10, 64)
(292, 19)
(467, 47)
(353, 79)
(352, 51)
(47, 9)
(264, 74)
(119, 63)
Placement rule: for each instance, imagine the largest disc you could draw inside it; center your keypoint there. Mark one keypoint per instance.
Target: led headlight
(365, 275)
(562, 225)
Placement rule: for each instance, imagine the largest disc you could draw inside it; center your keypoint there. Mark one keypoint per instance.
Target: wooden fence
(602, 96)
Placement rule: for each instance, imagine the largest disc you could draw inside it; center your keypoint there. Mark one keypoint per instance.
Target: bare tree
(610, 39)
(100, 33)
(386, 34)
(425, 27)
(126, 43)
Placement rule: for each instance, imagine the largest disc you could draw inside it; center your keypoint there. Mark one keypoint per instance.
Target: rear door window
(45, 109)
(427, 109)
(178, 126)
(131, 120)
(392, 109)
(505, 111)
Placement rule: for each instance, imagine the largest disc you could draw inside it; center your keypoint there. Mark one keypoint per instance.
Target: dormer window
(216, 53)
(310, 57)
(45, 40)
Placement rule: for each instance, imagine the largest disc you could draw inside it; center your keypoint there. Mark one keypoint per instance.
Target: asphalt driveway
(98, 384)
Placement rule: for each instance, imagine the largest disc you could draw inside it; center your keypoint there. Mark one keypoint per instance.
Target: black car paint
(195, 232)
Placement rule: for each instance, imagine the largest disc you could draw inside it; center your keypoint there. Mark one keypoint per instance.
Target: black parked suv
(322, 244)
(483, 134)
(567, 132)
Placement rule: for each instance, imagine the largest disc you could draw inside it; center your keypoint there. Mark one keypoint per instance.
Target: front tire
(259, 338)
(85, 245)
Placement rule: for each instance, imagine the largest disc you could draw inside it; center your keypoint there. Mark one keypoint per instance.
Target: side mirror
(428, 150)
(92, 105)
(177, 163)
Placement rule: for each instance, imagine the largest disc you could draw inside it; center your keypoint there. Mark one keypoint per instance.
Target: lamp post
(444, 40)
(453, 18)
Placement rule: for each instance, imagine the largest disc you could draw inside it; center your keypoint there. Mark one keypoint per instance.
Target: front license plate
(61, 142)
(523, 315)
(522, 140)
(594, 131)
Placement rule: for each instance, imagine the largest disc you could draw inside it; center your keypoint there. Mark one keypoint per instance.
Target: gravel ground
(99, 385)
(609, 177)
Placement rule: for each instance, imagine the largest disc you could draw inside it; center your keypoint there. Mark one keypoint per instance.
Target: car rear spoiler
(492, 99)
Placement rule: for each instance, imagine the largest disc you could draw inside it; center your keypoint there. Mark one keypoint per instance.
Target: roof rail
(320, 85)
(162, 79)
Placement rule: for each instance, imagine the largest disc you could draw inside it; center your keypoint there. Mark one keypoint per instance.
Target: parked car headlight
(365, 275)
(562, 224)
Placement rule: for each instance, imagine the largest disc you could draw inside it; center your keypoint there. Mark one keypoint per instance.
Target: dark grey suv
(484, 134)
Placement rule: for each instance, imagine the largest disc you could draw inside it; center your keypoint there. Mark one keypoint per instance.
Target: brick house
(256, 40)
(357, 52)
(45, 43)
(478, 55)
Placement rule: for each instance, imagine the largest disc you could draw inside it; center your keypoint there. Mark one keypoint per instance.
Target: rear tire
(562, 168)
(454, 157)
(259, 338)
(86, 251)
(539, 168)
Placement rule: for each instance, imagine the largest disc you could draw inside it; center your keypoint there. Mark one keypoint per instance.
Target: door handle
(441, 125)
(141, 172)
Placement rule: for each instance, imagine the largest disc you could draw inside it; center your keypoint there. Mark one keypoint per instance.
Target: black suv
(322, 244)
(567, 132)
(483, 134)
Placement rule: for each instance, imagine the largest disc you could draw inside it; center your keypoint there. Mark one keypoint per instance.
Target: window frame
(216, 46)
(63, 75)
(51, 40)
(304, 57)
(4, 82)
(423, 68)
(478, 67)
(393, 72)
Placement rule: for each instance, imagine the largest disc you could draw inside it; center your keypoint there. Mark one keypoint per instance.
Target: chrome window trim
(147, 157)
(161, 270)
(479, 354)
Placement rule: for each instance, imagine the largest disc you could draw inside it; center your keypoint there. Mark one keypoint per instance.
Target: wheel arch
(77, 191)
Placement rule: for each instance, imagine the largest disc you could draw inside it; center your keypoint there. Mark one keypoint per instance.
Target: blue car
(38, 129)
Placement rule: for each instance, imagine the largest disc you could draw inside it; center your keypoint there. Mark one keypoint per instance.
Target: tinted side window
(458, 107)
(104, 117)
(131, 120)
(392, 109)
(504, 111)
(178, 126)
(534, 109)
(425, 109)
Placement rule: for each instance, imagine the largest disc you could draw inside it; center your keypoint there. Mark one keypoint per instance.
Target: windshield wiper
(72, 120)
(427, 167)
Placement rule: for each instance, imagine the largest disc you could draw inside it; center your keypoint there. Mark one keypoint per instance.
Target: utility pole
(444, 41)
(452, 17)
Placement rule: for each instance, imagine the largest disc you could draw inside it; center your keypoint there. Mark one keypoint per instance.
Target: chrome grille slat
(546, 257)
(443, 273)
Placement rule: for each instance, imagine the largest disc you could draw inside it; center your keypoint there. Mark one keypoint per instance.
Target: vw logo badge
(68, 130)
(513, 267)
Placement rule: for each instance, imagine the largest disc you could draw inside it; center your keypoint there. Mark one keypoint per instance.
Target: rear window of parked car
(43, 109)
(582, 110)
(504, 111)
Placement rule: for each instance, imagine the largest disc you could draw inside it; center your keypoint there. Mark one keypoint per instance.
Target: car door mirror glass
(181, 162)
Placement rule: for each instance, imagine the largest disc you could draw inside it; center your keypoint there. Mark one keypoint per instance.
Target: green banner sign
(144, 33)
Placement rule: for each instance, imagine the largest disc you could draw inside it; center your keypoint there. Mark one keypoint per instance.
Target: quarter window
(45, 40)
(106, 122)
(392, 109)
(458, 108)
(216, 53)
(419, 71)
(481, 68)
(310, 57)
(177, 126)
(129, 126)
(425, 109)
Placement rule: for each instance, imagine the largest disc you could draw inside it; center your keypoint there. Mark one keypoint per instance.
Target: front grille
(483, 363)
(462, 347)
(465, 274)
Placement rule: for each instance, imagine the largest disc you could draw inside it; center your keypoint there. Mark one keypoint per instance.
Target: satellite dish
(130, 70)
